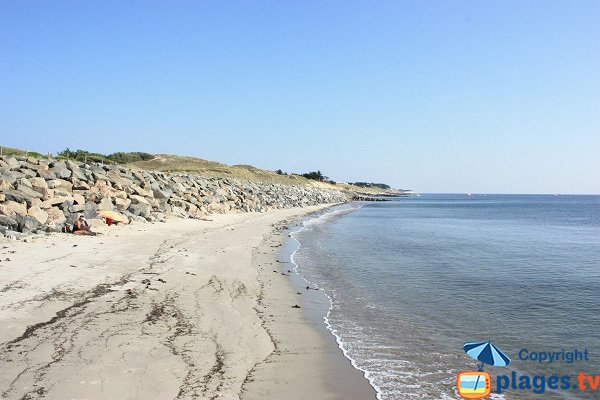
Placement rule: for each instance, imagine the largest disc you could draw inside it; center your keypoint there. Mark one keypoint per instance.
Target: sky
(434, 96)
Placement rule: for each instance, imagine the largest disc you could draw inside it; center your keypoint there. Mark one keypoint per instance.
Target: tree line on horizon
(318, 176)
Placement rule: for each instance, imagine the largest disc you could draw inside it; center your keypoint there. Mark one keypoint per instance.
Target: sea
(409, 281)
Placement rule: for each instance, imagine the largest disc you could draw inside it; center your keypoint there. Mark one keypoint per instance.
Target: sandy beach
(185, 309)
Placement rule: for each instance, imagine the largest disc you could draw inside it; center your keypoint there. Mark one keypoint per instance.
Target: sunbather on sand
(81, 227)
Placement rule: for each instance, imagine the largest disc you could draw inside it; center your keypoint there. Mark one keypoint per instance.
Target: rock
(40, 215)
(18, 196)
(9, 223)
(5, 185)
(122, 204)
(55, 216)
(77, 173)
(140, 209)
(29, 191)
(62, 192)
(11, 208)
(12, 163)
(80, 184)
(2, 197)
(56, 201)
(135, 199)
(77, 208)
(90, 210)
(141, 192)
(27, 223)
(106, 204)
(23, 182)
(38, 183)
(78, 198)
(60, 183)
(118, 181)
(28, 173)
(44, 173)
(61, 172)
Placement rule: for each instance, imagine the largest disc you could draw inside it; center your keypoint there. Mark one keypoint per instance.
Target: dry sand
(182, 310)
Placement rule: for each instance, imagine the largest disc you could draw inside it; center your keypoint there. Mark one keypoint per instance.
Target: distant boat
(469, 194)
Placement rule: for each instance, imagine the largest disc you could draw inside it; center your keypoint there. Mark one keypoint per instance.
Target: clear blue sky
(437, 96)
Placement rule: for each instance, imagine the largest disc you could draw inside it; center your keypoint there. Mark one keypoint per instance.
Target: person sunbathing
(81, 227)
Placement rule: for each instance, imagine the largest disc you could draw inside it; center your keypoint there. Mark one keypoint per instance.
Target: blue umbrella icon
(487, 353)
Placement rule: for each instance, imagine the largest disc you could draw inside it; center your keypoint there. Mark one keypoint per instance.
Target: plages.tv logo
(478, 384)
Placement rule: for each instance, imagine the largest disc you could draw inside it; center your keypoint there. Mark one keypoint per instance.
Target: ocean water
(412, 279)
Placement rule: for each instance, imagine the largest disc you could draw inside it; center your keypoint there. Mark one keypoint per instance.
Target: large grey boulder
(27, 223)
(18, 197)
(61, 171)
(140, 209)
(90, 210)
(29, 191)
(9, 223)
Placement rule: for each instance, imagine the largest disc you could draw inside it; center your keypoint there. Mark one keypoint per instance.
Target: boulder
(18, 196)
(28, 173)
(77, 208)
(38, 183)
(162, 194)
(54, 201)
(40, 215)
(106, 204)
(12, 163)
(77, 172)
(61, 172)
(55, 216)
(140, 209)
(11, 176)
(62, 192)
(140, 191)
(9, 223)
(29, 191)
(60, 183)
(80, 184)
(122, 204)
(27, 223)
(117, 180)
(90, 210)
(44, 172)
(78, 198)
(5, 185)
(11, 208)
(135, 199)
(23, 182)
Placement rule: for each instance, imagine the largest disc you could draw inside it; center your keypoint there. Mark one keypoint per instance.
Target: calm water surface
(412, 279)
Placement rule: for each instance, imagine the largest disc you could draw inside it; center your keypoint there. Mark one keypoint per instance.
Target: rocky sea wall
(43, 194)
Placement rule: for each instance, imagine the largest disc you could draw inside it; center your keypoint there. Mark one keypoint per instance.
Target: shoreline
(315, 365)
(173, 310)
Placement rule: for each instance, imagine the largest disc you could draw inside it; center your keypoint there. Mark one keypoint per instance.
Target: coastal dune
(183, 309)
